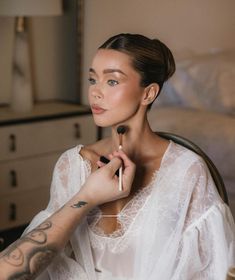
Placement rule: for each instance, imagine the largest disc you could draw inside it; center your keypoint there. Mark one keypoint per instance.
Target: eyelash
(92, 81)
(111, 83)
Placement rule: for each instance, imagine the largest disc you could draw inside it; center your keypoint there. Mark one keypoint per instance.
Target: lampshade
(30, 7)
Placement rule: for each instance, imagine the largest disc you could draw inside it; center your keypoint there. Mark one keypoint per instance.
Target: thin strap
(106, 216)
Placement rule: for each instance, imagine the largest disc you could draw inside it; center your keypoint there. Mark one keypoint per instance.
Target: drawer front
(30, 173)
(19, 209)
(44, 137)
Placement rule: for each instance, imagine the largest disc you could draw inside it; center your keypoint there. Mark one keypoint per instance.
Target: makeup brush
(121, 129)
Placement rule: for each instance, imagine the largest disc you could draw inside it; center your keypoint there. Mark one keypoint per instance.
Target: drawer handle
(1, 241)
(13, 175)
(12, 143)
(77, 130)
(12, 214)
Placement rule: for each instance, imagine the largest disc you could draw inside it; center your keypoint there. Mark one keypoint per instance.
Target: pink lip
(97, 110)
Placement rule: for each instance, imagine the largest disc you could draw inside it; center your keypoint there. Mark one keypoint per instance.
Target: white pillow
(202, 82)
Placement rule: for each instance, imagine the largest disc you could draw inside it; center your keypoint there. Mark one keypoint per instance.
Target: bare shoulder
(160, 145)
(154, 151)
(93, 151)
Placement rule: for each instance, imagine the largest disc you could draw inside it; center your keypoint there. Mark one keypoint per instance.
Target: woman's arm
(32, 253)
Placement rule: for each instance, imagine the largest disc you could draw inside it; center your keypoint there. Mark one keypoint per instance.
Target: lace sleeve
(58, 190)
(64, 266)
(187, 232)
(203, 192)
(207, 247)
(59, 185)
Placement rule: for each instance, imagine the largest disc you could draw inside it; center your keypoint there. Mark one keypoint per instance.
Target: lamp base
(22, 94)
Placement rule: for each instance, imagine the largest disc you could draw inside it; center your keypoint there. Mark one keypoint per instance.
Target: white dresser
(30, 145)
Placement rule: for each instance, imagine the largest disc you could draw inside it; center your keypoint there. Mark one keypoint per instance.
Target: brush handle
(120, 174)
(120, 180)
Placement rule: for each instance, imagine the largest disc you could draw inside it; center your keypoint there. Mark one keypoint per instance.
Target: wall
(198, 25)
(184, 25)
(6, 39)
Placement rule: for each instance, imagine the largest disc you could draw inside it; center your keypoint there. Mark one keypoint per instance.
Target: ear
(150, 93)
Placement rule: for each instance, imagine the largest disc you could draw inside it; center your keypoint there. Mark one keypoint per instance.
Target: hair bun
(168, 58)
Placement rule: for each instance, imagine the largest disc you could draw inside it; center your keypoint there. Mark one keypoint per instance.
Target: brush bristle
(121, 129)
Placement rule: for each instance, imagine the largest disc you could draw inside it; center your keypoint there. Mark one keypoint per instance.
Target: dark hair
(150, 57)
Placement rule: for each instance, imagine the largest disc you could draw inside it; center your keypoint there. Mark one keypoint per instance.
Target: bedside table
(30, 145)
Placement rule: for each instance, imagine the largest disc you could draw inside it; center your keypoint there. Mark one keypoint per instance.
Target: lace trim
(125, 217)
(118, 240)
(85, 161)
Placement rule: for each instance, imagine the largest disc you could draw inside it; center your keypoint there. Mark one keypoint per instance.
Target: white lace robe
(176, 228)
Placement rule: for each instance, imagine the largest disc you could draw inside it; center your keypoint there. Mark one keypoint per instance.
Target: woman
(173, 224)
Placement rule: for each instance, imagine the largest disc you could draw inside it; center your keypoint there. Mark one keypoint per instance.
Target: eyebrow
(108, 71)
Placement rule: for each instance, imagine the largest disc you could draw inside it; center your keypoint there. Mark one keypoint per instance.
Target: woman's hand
(102, 185)
(37, 249)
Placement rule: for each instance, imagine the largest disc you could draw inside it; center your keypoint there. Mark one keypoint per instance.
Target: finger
(110, 156)
(100, 163)
(128, 170)
(113, 165)
(126, 161)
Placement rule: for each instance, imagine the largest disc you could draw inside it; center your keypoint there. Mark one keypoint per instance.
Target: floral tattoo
(29, 264)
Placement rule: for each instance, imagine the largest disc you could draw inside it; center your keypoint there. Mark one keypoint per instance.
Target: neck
(144, 148)
(135, 141)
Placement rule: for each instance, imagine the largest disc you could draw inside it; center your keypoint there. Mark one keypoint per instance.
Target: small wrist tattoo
(79, 204)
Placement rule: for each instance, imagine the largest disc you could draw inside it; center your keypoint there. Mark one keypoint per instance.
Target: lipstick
(97, 110)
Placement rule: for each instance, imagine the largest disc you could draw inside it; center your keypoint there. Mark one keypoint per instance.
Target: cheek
(123, 107)
(89, 95)
(123, 97)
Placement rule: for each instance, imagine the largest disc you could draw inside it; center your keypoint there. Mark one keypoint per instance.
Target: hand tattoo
(79, 204)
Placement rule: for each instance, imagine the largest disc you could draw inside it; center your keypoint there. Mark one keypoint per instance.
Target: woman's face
(115, 93)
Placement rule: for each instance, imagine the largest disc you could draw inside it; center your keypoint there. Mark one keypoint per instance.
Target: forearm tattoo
(79, 204)
(28, 264)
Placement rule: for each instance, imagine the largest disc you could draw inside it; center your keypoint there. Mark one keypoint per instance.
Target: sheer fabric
(177, 228)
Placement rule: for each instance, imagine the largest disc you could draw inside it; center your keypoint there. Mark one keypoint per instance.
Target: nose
(96, 93)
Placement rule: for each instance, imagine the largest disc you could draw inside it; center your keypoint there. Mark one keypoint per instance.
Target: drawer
(19, 209)
(46, 136)
(30, 173)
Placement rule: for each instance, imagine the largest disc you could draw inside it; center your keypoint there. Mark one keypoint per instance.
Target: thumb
(114, 164)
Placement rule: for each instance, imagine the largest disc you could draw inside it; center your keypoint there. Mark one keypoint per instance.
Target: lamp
(22, 84)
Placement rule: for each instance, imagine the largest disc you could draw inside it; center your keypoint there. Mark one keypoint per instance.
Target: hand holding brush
(120, 130)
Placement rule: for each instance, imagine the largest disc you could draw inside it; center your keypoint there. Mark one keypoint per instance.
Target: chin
(105, 121)
(102, 123)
